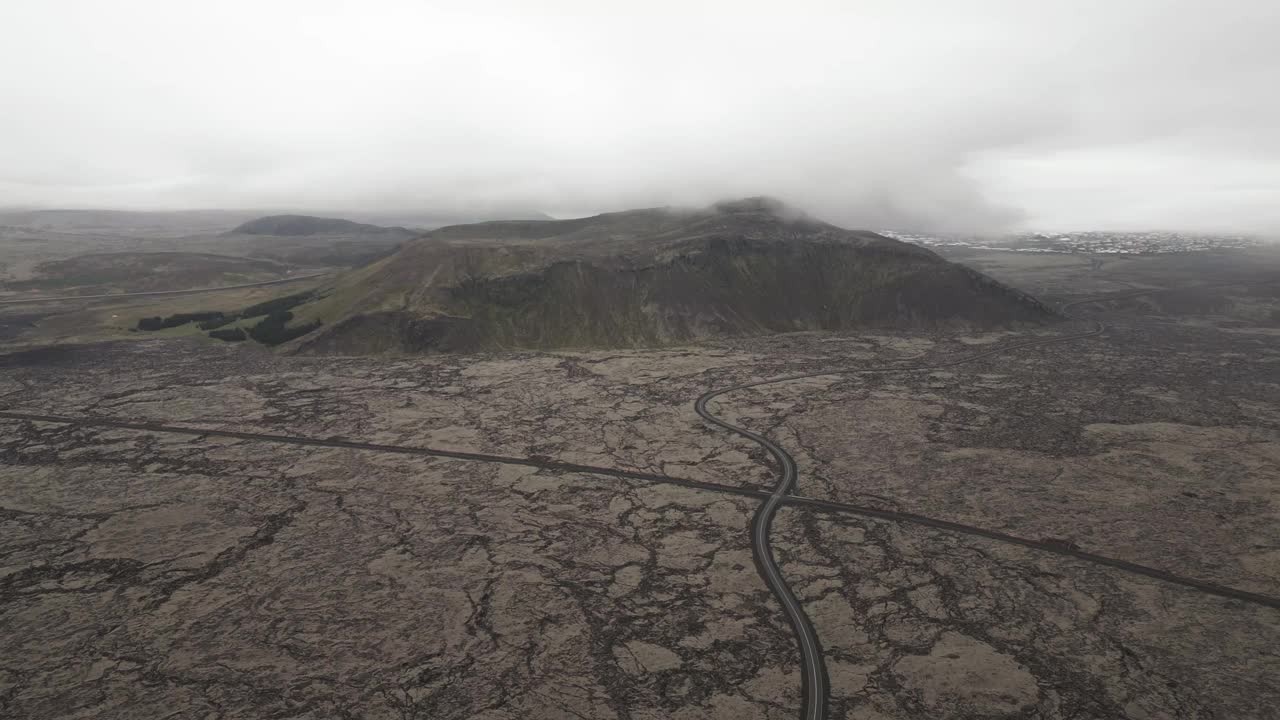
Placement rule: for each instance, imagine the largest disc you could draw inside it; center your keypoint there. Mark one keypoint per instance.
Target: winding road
(813, 669)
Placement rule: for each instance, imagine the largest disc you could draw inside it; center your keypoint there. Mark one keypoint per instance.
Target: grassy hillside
(142, 272)
(648, 277)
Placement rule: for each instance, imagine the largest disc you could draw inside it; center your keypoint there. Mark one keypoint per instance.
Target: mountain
(429, 220)
(315, 241)
(307, 225)
(648, 277)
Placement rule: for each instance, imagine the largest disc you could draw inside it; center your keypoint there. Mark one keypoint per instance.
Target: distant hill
(307, 225)
(94, 273)
(315, 241)
(175, 223)
(132, 223)
(429, 220)
(648, 277)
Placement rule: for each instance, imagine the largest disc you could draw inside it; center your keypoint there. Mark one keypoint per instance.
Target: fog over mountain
(963, 116)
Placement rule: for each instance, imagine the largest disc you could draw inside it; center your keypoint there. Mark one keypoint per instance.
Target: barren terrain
(150, 574)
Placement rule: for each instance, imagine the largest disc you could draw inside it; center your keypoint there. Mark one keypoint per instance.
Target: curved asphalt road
(113, 296)
(812, 665)
(813, 668)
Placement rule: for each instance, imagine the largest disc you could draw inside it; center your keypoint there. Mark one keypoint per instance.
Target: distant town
(1091, 242)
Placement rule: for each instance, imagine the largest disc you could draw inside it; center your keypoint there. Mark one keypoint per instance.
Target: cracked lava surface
(153, 575)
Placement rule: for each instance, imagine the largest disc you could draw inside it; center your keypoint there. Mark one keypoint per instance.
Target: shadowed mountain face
(649, 277)
(311, 241)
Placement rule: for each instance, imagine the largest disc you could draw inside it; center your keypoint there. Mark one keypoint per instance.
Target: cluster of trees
(271, 330)
(162, 323)
(214, 323)
(280, 304)
(229, 335)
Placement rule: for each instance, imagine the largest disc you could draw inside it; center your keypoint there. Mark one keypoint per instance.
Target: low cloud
(907, 114)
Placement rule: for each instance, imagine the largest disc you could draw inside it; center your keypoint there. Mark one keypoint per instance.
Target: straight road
(827, 506)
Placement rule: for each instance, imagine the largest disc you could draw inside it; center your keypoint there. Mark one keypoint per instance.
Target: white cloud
(952, 114)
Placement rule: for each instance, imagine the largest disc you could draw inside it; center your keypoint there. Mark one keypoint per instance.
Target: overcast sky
(897, 113)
